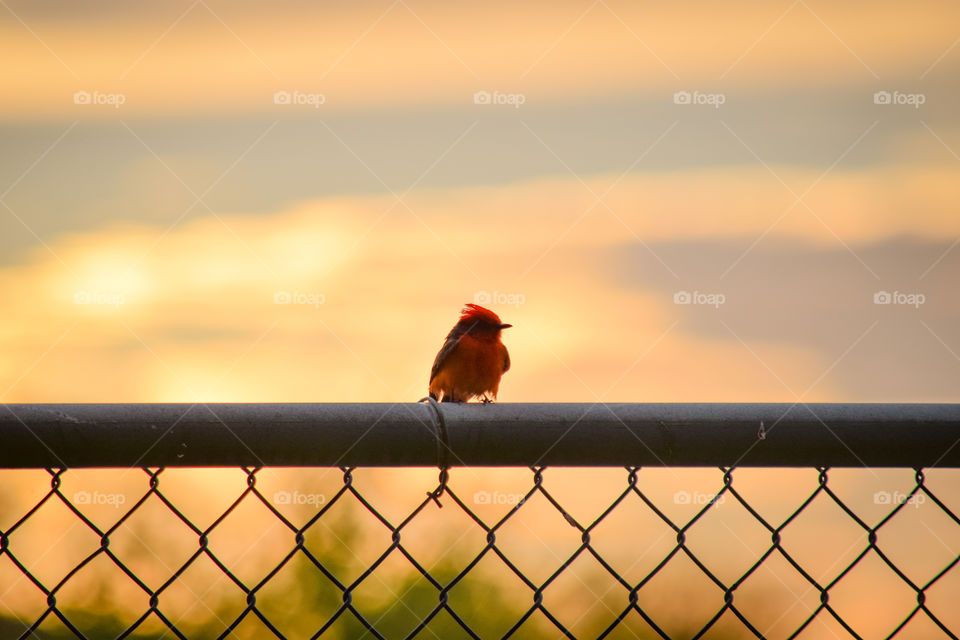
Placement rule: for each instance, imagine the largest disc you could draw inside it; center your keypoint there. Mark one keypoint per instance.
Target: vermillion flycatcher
(472, 358)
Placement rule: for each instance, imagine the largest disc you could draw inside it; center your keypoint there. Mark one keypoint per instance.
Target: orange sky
(150, 244)
(221, 56)
(196, 227)
(188, 313)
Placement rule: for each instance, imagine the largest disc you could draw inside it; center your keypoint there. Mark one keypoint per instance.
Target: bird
(472, 359)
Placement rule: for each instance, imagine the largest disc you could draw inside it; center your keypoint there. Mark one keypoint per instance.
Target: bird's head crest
(474, 312)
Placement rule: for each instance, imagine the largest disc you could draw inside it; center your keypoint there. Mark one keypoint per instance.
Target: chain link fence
(529, 609)
(724, 596)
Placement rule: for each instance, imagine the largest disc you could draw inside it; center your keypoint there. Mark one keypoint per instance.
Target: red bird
(472, 358)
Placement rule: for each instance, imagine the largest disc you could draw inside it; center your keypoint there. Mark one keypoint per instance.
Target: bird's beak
(505, 326)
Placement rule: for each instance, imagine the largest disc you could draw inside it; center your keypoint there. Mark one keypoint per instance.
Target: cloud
(216, 58)
(348, 298)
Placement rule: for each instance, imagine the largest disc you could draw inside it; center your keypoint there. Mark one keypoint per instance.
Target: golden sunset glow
(290, 202)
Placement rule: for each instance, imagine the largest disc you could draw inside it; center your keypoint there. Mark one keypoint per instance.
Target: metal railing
(636, 437)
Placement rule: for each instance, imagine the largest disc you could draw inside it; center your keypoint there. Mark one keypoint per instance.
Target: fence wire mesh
(628, 593)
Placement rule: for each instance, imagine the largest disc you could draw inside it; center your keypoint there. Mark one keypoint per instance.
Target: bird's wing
(506, 360)
(453, 338)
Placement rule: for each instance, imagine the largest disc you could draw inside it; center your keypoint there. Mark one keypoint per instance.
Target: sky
(148, 230)
(685, 202)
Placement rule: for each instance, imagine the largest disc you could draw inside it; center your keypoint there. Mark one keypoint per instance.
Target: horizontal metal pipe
(555, 434)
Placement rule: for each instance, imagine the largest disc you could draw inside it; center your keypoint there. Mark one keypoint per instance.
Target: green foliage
(300, 599)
